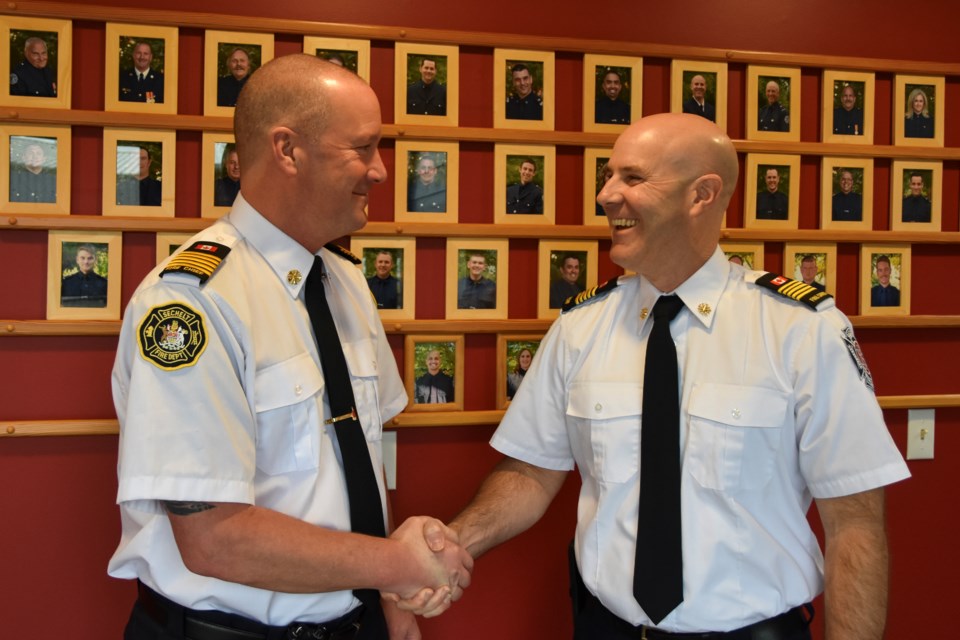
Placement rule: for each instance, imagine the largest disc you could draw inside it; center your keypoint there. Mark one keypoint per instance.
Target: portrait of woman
(515, 377)
(918, 123)
(227, 185)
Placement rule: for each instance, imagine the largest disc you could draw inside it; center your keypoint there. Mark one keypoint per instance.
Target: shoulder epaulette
(200, 259)
(590, 294)
(343, 253)
(793, 289)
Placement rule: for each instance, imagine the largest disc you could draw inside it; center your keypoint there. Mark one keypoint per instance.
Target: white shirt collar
(286, 256)
(700, 292)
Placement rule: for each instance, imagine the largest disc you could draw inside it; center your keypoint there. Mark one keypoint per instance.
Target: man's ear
(706, 190)
(282, 147)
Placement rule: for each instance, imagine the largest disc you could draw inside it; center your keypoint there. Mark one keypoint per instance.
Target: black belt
(785, 625)
(217, 625)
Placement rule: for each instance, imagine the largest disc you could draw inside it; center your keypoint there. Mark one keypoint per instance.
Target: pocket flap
(739, 406)
(361, 358)
(604, 400)
(286, 383)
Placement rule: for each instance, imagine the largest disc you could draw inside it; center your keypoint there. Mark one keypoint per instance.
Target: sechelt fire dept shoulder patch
(172, 336)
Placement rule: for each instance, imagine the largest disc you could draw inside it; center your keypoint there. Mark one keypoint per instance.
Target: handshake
(440, 567)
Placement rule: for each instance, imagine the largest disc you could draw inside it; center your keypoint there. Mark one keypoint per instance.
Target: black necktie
(366, 511)
(658, 572)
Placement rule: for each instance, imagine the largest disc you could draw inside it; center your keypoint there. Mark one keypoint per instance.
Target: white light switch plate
(920, 434)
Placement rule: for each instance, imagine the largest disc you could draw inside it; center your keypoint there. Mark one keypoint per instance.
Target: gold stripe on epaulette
(198, 261)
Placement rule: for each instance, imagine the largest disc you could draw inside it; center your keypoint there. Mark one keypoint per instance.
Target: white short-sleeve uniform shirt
(243, 420)
(777, 408)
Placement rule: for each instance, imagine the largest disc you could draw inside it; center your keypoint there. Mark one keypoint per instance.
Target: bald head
(291, 91)
(669, 180)
(691, 147)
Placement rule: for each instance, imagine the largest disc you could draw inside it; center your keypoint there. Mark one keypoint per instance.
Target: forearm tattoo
(178, 508)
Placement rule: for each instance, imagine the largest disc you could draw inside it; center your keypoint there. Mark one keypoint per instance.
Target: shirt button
(598, 408)
(736, 414)
(298, 390)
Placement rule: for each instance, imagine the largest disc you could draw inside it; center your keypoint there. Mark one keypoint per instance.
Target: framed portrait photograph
(219, 174)
(433, 372)
(140, 72)
(814, 265)
(37, 62)
(915, 195)
(427, 84)
(477, 278)
(169, 243)
(37, 179)
(524, 177)
(612, 92)
(427, 181)
(919, 104)
(772, 191)
(523, 89)
(745, 254)
(773, 103)
(699, 88)
(346, 52)
(846, 114)
(567, 268)
(515, 352)
(83, 275)
(885, 280)
(138, 172)
(594, 169)
(846, 193)
(230, 58)
(390, 267)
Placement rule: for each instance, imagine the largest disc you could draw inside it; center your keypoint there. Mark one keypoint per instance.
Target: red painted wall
(59, 521)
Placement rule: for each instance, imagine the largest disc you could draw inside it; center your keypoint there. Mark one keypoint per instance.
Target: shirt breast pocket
(735, 435)
(287, 401)
(607, 414)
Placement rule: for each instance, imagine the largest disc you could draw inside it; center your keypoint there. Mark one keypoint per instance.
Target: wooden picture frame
(496, 254)
(750, 253)
(788, 81)
(933, 89)
(120, 85)
(796, 261)
(218, 46)
(788, 175)
(594, 163)
(120, 171)
(57, 36)
(840, 124)
(169, 243)
(541, 68)
(899, 256)
(930, 173)
(509, 161)
(550, 254)
(403, 253)
(617, 115)
(415, 201)
(510, 346)
(416, 351)
(837, 209)
(215, 182)
(352, 54)
(27, 148)
(408, 73)
(714, 75)
(94, 297)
